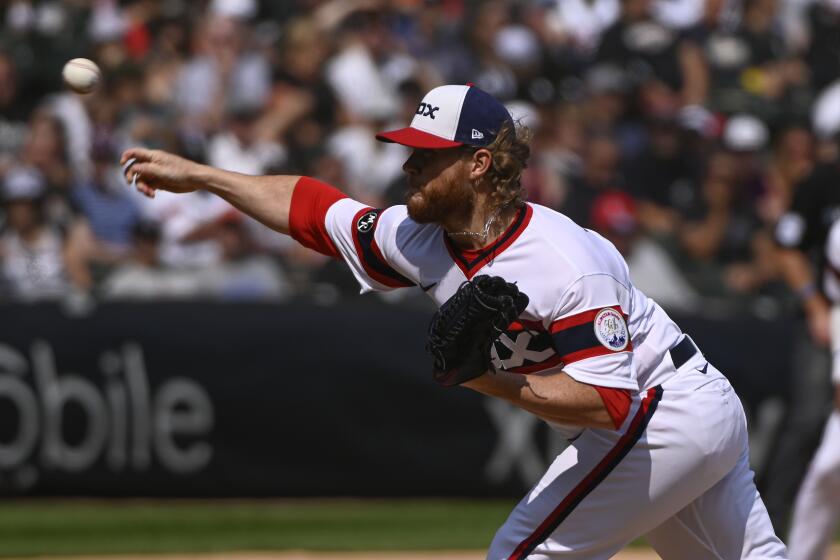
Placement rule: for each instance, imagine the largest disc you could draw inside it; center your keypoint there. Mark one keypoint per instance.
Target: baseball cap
(745, 133)
(23, 183)
(452, 116)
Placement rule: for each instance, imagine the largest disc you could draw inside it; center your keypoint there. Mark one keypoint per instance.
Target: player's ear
(482, 161)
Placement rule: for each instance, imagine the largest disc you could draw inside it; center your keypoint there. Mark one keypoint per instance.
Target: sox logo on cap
(427, 110)
(452, 116)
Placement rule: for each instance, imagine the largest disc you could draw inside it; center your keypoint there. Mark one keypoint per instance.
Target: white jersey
(675, 468)
(584, 315)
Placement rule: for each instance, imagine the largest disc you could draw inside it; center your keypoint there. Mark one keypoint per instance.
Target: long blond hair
(510, 151)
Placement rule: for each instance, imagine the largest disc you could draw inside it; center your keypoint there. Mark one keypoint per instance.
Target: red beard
(440, 202)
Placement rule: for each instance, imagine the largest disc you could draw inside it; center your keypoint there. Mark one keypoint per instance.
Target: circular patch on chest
(611, 329)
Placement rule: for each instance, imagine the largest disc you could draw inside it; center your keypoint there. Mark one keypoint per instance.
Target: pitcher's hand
(152, 170)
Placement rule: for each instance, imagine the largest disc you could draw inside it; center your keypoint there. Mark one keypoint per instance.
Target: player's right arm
(315, 214)
(268, 199)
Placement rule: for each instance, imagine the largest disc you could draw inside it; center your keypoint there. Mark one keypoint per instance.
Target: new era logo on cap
(451, 116)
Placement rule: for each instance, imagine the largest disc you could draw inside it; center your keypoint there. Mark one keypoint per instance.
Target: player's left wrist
(480, 381)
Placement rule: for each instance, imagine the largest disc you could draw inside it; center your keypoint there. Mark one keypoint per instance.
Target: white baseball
(81, 75)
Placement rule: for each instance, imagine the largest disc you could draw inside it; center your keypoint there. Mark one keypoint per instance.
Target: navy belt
(683, 352)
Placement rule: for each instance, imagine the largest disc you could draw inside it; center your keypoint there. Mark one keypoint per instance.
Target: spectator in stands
(242, 274)
(366, 69)
(751, 65)
(662, 177)
(14, 110)
(746, 137)
(35, 260)
(477, 59)
(615, 216)
(242, 145)
(726, 54)
(245, 274)
(142, 276)
(608, 105)
(107, 211)
(791, 160)
(824, 43)
(429, 32)
(301, 96)
(224, 70)
(559, 140)
(105, 203)
(542, 178)
(366, 74)
(517, 46)
(189, 229)
(577, 25)
(669, 72)
(45, 149)
(722, 232)
(600, 172)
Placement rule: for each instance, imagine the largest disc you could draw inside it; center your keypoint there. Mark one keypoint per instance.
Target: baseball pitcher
(540, 312)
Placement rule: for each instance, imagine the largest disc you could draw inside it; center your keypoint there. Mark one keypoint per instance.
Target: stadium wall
(221, 400)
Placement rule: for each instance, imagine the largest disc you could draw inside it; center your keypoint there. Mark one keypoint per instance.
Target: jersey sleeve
(324, 219)
(590, 333)
(311, 200)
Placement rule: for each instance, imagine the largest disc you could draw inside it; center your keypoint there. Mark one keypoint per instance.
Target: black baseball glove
(467, 324)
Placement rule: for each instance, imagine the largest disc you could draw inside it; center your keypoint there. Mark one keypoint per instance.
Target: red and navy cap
(452, 116)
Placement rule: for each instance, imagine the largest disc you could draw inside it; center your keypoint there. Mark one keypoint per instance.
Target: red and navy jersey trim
(375, 265)
(594, 478)
(575, 339)
(471, 261)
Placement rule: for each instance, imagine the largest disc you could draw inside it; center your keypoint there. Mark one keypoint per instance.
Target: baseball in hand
(81, 75)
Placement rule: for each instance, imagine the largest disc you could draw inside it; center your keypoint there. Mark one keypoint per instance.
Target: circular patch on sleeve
(611, 329)
(365, 223)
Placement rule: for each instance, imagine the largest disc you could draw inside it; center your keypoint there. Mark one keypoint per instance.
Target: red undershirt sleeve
(308, 212)
(617, 402)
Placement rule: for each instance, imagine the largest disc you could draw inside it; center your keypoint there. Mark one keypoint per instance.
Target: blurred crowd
(679, 129)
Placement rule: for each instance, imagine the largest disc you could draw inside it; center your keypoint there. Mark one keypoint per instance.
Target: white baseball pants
(677, 472)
